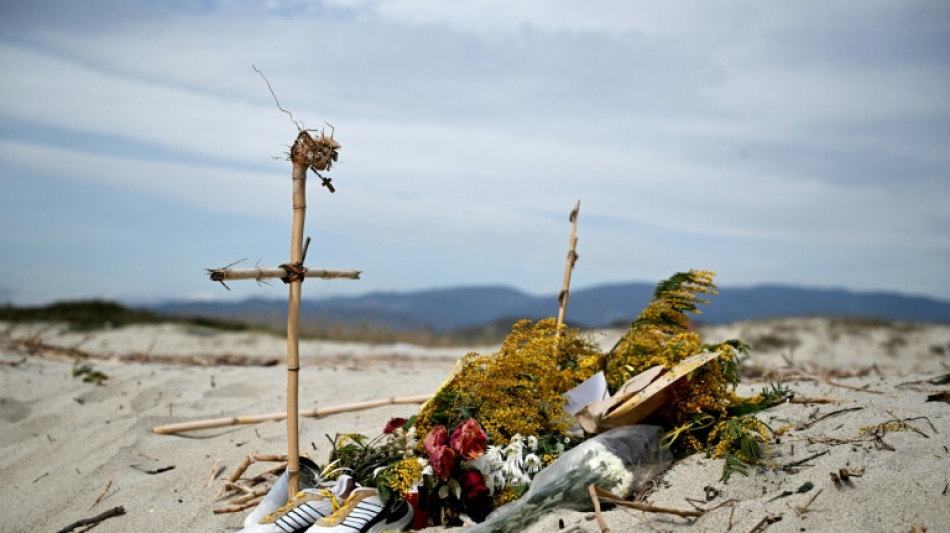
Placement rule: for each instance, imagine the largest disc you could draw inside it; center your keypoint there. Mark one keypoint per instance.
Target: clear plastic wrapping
(618, 461)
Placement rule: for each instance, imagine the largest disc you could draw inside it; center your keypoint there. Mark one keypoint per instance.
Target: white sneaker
(363, 512)
(277, 496)
(308, 506)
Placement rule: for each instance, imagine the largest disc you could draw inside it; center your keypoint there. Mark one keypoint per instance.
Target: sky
(796, 143)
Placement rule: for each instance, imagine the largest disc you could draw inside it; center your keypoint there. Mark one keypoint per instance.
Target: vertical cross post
(293, 326)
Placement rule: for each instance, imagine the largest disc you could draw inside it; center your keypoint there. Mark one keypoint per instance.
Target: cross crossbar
(262, 273)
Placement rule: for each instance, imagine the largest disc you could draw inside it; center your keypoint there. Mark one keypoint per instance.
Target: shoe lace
(334, 501)
(340, 510)
(284, 507)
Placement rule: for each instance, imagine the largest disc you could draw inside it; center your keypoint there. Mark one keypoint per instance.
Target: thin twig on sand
(102, 494)
(238, 508)
(765, 522)
(809, 424)
(215, 472)
(115, 511)
(801, 509)
(645, 507)
(789, 466)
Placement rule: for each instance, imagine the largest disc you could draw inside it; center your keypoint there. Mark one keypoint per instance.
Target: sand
(62, 440)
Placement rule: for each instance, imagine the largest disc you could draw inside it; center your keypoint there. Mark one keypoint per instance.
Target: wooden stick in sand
(572, 256)
(313, 413)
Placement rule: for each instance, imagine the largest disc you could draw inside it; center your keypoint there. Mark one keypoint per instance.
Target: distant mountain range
(472, 307)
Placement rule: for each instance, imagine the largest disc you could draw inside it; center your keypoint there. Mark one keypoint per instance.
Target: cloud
(691, 132)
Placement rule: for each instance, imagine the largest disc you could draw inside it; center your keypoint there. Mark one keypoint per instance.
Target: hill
(475, 307)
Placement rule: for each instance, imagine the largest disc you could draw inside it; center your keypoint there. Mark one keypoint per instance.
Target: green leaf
(733, 464)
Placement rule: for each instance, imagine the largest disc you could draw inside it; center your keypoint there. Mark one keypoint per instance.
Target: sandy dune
(63, 440)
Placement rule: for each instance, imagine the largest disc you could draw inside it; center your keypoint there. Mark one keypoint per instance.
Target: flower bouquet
(498, 431)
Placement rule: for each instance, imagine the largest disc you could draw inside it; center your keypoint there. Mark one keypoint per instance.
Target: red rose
(469, 439)
(438, 436)
(393, 425)
(442, 458)
(473, 484)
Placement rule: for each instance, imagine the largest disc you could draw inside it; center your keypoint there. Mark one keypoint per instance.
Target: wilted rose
(473, 485)
(469, 439)
(393, 425)
(441, 458)
(438, 436)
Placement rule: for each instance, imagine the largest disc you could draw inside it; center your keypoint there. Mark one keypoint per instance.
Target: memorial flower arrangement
(500, 419)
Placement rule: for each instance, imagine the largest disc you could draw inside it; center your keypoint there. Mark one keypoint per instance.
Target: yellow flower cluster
(705, 391)
(504, 496)
(727, 436)
(783, 430)
(660, 335)
(403, 476)
(519, 388)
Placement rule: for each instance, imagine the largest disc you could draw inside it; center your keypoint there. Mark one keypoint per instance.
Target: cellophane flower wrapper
(619, 461)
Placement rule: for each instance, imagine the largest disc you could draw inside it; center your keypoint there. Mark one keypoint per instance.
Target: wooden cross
(316, 154)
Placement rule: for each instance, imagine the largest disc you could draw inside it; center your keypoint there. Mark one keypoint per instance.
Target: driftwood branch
(115, 511)
(313, 413)
(262, 273)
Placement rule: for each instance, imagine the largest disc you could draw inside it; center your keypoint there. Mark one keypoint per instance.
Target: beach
(72, 449)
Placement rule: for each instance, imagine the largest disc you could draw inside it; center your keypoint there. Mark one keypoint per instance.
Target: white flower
(514, 447)
(512, 467)
(494, 453)
(519, 479)
(495, 481)
(532, 443)
(483, 465)
(532, 463)
(615, 477)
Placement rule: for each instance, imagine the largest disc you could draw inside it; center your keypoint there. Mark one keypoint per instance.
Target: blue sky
(803, 143)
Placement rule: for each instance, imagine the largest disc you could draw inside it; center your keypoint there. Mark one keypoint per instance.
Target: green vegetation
(89, 374)
(90, 315)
